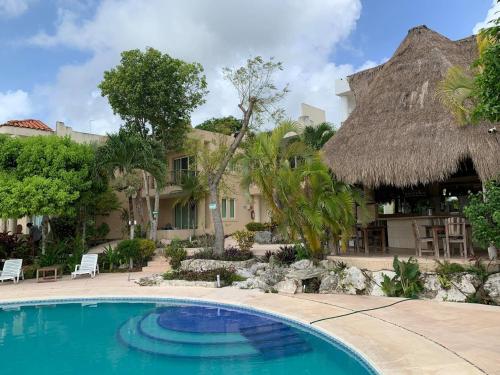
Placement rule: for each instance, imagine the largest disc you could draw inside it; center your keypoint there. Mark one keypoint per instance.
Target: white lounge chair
(12, 270)
(88, 266)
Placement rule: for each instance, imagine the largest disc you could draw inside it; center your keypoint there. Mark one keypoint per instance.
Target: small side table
(54, 272)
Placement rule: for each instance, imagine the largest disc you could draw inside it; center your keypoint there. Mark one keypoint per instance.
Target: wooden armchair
(421, 238)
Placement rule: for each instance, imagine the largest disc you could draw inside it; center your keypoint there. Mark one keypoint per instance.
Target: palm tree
(304, 199)
(316, 136)
(458, 90)
(124, 157)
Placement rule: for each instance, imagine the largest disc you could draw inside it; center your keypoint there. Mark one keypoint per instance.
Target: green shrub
(55, 253)
(176, 253)
(230, 254)
(147, 249)
(130, 250)
(483, 212)
(406, 282)
(227, 275)
(256, 227)
(110, 258)
(244, 239)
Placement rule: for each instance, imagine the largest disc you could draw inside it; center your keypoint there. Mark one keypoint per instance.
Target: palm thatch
(400, 133)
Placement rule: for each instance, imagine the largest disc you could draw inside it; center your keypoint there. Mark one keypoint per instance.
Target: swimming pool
(125, 336)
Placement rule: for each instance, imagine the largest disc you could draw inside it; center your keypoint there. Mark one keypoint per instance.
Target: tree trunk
(217, 220)
(216, 178)
(154, 223)
(45, 232)
(148, 203)
(131, 216)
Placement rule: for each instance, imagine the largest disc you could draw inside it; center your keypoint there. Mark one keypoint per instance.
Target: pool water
(180, 337)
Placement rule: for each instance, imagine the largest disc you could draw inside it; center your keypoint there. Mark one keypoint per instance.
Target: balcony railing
(180, 176)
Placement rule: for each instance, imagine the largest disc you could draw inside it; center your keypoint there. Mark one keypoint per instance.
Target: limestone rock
(492, 287)
(263, 237)
(198, 265)
(289, 286)
(302, 264)
(376, 282)
(273, 275)
(462, 286)
(431, 285)
(244, 272)
(352, 281)
(252, 283)
(260, 266)
(307, 273)
(329, 284)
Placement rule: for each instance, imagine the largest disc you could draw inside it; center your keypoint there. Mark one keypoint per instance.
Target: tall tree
(43, 176)
(224, 125)
(316, 136)
(155, 95)
(258, 97)
(125, 156)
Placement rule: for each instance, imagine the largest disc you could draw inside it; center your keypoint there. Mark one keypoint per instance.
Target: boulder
(252, 283)
(462, 286)
(492, 287)
(329, 284)
(199, 265)
(260, 266)
(352, 281)
(431, 285)
(263, 237)
(273, 275)
(376, 282)
(307, 273)
(289, 286)
(244, 272)
(302, 264)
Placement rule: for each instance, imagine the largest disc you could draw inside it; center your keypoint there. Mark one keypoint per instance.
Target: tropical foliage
(475, 95)
(406, 282)
(124, 156)
(155, 94)
(224, 125)
(316, 136)
(305, 200)
(483, 212)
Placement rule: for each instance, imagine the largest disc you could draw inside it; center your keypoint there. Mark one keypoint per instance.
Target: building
(310, 115)
(177, 220)
(174, 219)
(402, 145)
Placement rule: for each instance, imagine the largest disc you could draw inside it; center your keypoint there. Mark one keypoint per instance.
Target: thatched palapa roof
(399, 133)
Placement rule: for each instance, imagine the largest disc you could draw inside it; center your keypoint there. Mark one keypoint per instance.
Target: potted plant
(483, 212)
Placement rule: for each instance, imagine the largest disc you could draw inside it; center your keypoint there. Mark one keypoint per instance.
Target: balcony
(175, 180)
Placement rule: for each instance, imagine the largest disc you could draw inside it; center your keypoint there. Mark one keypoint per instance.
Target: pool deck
(409, 337)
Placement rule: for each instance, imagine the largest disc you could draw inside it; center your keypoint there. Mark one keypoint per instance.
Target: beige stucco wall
(22, 132)
(79, 137)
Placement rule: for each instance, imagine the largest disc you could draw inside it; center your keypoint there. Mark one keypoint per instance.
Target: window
(231, 202)
(182, 167)
(185, 216)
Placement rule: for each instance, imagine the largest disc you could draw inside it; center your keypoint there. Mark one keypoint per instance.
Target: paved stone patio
(398, 337)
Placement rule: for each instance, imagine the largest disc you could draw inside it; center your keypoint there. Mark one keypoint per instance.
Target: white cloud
(13, 8)
(215, 33)
(13, 105)
(493, 13)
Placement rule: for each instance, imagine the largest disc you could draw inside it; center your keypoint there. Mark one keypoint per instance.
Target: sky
(53, 52)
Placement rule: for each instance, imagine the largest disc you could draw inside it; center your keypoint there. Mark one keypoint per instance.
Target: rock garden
(290, 270)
